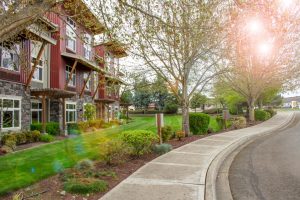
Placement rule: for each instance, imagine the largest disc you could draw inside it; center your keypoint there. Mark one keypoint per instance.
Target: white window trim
(72, 103)
(70, 33)
(89, 82)
(38, 66)
(12, 109)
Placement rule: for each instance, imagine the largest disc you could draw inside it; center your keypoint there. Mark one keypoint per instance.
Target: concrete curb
(190, 172)
(222, 156)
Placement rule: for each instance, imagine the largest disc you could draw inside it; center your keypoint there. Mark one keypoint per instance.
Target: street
(269, 168)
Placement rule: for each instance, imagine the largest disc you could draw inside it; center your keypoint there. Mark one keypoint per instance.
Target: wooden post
(44, 113)
(35, 64)
(159, 125)
(71, 74)
(98, 85)
(64, 115)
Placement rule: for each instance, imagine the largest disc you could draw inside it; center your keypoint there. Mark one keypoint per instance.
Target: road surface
(269, 168)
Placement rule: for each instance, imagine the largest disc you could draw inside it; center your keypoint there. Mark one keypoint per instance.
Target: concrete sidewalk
(181, 173)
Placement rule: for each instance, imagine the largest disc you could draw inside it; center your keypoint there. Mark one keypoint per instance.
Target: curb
(210, 192)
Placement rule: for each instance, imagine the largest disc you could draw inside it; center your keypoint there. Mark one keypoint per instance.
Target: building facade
(49, 75)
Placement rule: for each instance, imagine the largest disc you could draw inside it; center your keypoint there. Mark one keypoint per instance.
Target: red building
(67, 70)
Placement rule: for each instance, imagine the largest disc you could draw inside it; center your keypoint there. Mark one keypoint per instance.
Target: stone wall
(18, 90)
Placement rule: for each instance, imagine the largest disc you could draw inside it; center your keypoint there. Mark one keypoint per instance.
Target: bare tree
(176, 39)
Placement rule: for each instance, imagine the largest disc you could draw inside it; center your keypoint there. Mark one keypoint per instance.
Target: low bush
(114, 122)
(220, 121)
(114, 152)
(140, 141)
(166, 133)
(85, 164)
(83, 126)
(52, 128)
(261, 115)
(170, 108)
(73, 129)
(271, 111)
(35, 135)
(213, 111)
(10, 136)
(85, 185)
(179, 135)
(47, 138)
(239, 122)
(21, 138)
(162, 148)
(11, 143)
(5, 149)
(199, 123)
(97, 123)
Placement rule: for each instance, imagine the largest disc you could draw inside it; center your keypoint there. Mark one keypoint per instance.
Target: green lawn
(23, 168)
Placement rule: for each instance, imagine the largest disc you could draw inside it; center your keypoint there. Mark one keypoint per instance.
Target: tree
(15, 16)
(260, 49)
(126, 97)
(198, 100)
(175, 39)
(159, 92)
(142, 93)
(89, 111)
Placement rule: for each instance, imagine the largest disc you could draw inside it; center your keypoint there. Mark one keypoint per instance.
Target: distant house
(291, 102)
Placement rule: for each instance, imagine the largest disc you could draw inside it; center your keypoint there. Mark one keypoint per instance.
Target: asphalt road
(269, 168)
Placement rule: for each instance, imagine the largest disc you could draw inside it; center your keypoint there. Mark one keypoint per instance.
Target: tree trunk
(185, 120)
(251, 111)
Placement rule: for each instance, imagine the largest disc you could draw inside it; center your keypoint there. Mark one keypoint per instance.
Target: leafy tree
(89, 111)
(142, 93)
(126, 97)
(159, 92)
(198, 100)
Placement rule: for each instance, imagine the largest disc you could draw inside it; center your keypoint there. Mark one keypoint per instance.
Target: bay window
(10, 113)
(9, 57)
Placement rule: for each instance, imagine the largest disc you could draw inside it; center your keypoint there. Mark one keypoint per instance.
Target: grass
(26, 167)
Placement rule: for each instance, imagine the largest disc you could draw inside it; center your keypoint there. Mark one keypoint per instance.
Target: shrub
(114, 122)
(271, 111)
(140, 141)
(85, 185)
(21, 138)
(199, 123)
(162, 148)
(261, 115)
(106, 125)
(47, 138)
(97, 123)
(166, 133)
(5, 149)
(170, 108)
(179, 135)
(213, 111)
(35, 135)
(73, 129)
(83, 126)
(9, 136)
(11, 143)
(239, 122)
(220, 121)
(52, 128)
(89, 111)
(85, 164)
(114, 152)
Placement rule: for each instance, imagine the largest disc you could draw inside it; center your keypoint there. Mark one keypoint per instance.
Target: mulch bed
(52, 188)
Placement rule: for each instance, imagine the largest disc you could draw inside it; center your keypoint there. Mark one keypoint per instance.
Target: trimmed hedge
(199, 123)
(52, 128)
(261, 115)
(271, 111)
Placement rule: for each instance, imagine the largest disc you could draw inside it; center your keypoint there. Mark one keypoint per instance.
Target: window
(87, 46)
(72, 81)
(85, 77)
(38, 73)
(71, 37)
(71, 116)
(9, 57)
(10, 113)
(36, 112)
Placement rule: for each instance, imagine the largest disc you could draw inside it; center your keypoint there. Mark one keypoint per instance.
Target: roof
(114, 79)
(52, 93)
(82, 60)
(116, 48)
(83, 15)
(290, 99)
